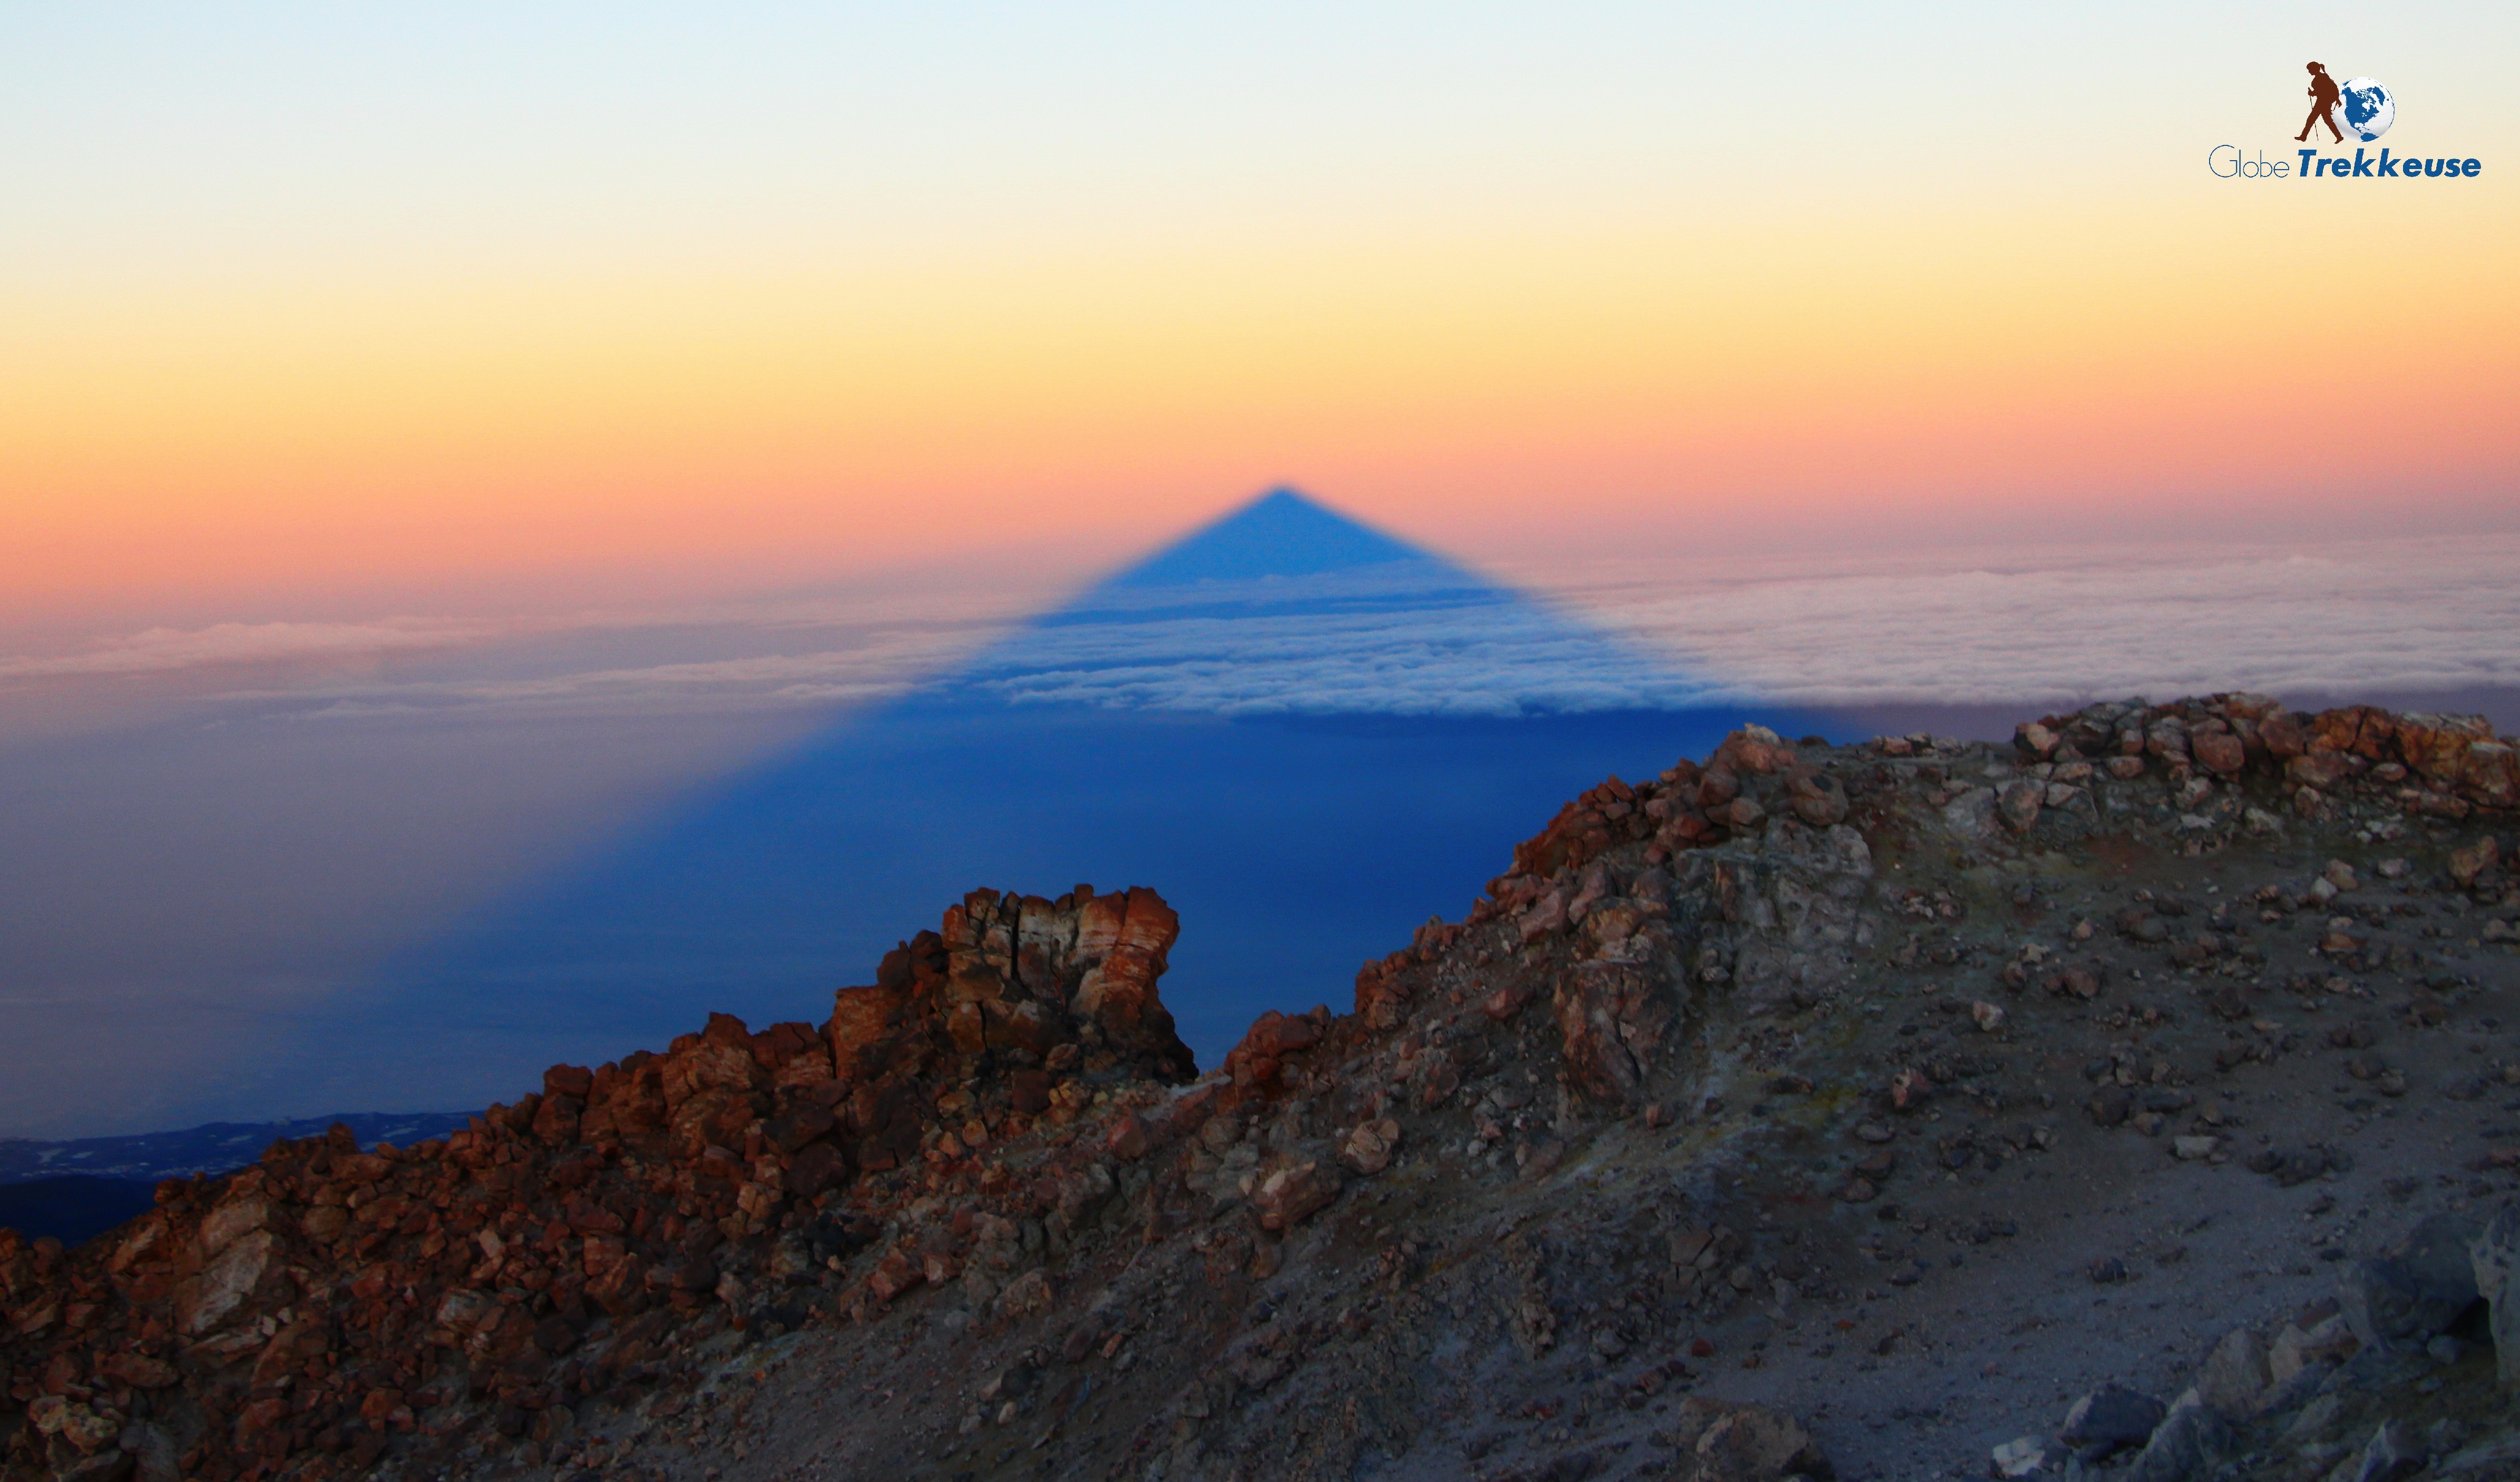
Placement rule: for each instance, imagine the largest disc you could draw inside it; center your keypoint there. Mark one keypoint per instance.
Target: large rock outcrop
(1714, 1054)
(299, 1316)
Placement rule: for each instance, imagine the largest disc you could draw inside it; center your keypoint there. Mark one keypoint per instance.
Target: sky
(436, 442)
(347, 313)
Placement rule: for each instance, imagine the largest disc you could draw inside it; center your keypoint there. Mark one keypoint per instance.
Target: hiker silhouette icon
(2322, 105)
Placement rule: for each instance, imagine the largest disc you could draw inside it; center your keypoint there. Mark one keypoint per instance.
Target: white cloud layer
(2411, 614)
(161, 651)
(2012, 626)
(884, 668)
(2003, 626)
(1457, 655)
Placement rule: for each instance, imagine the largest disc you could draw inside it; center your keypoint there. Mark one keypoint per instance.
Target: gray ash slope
(1651, 1145)
(1816, 1109)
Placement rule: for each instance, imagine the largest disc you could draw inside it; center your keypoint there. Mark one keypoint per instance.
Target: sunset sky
(313, 313)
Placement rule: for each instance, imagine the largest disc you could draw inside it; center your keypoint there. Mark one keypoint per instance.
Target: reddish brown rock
(2362, 730)
(1294, 1194)
(1739, 815)
(239, 1215)
(805, 1121)
(2282, 735)
(135, 1370)
(1118, 992)
(1819, 800)
(1381, 996)
(1506, 1002)
(1369, 1147)
(2491, 775)
(2220, 751)
(1685, 827)
(860, 1018)
(2322, 769)
(1612, 1017)
(2436, 746)
(206, 1302)
(1127, 1140)
(1753, 749)
(2018, 805)
(556, 1120)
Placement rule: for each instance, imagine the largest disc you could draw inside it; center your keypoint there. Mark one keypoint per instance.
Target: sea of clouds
(2029, 626)
(2405, 615)
(250, 811)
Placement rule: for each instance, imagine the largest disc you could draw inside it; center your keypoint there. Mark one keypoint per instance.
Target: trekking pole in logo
(2324, 96)
(2369, 107)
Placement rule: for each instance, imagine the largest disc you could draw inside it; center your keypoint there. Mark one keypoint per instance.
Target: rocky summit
(2141, 1097)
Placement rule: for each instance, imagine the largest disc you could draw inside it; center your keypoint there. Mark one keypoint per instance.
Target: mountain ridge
(1597, 1180)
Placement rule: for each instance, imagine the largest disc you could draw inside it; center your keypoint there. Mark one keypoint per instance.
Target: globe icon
(2368, 108)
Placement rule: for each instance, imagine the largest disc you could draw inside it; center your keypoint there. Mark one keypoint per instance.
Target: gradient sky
(315, 311)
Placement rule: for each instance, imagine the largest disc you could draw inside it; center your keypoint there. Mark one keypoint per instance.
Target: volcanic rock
(1791, 1130)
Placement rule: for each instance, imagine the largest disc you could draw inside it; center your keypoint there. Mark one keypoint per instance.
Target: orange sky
(255, 408)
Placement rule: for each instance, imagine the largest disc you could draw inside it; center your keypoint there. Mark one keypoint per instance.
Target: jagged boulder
(2236, 1376)
(1020, 978)
(2404, 1298)
(2111, 1417)
(2184, 1445)
(1725, 1442)
(1612, 1016)
(2492, 1255)
(660, 1192)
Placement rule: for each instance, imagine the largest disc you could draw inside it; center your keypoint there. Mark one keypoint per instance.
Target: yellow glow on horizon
(248, 434)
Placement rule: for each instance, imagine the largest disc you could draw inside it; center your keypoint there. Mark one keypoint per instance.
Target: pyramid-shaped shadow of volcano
(1308, 736)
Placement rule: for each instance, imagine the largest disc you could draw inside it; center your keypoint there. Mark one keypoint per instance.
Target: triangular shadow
(1308, 735)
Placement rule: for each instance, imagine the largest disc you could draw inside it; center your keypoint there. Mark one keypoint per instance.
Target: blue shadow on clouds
(1308, 736)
